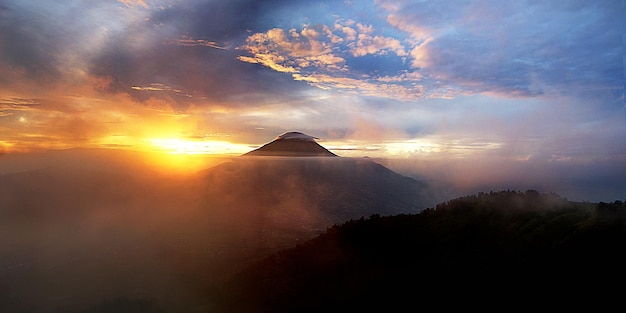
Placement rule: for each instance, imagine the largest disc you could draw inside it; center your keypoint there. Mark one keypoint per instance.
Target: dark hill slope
(274, 203)
(505, 248)
(76, 233)
(323, 191)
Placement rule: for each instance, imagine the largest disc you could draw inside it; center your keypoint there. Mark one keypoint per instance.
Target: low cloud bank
(85, 225)
(578, 180)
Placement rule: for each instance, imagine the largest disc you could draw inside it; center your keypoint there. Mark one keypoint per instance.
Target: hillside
(104, 225)
(333, 189)
(522, 247)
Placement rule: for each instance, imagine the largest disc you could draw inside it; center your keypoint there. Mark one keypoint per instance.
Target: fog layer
(79, 227)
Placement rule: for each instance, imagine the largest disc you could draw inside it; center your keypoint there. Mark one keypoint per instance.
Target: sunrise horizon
(383, 78)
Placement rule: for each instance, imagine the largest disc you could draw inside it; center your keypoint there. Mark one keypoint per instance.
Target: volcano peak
(292, 144)
(295, 136)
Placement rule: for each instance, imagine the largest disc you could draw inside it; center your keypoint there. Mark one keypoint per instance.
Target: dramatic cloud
(536, 49)
(521, 48)
(190, 42)
(331, 57)
(410, 79)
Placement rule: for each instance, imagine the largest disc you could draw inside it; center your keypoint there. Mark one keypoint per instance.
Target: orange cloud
(316, 55)
(377, 45)
(132, 3)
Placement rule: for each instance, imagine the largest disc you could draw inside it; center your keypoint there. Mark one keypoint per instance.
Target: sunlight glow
(180, 146)
(412, 147)
(171, 163)
(5, 146)
(176, 155)
(183, 156)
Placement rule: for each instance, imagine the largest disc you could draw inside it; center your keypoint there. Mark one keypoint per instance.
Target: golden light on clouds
(172, 163)
(412, 147)
(182, 146)
(175, 155)
(393, 78)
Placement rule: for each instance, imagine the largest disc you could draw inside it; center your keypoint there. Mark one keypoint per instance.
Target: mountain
(292, 189)
(104, 233)
(479, 251)
(276, 202)
(292, 144)
(342, 187)
(102, 225)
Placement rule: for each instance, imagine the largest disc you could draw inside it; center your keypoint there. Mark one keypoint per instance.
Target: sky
(534, 81)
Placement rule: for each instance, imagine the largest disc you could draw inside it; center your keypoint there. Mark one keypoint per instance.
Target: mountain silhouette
(273, 202)
(96, 230)
(480, 250)
(292, 144)
(341, 188)
(104, 226)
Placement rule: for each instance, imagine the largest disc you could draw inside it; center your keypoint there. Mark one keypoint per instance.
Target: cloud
(326, 58)
(53, 43)
(514, 49)
(449, 49)
(163, 88)
(528, 78)
(18, 103)
(190, 42)
(367, 44)
(10, 106)
(536, 49)
(132, 3)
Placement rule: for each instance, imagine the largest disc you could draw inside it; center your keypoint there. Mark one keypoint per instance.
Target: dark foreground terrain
(87, 227)
(489, 250)
(104, 234)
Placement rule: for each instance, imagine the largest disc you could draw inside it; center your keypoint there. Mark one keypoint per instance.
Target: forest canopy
(508, 244)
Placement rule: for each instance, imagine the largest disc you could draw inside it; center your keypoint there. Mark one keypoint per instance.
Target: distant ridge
(292, 144)
(505, 240)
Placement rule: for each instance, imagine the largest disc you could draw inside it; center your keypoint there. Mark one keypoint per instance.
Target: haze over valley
(111, 226)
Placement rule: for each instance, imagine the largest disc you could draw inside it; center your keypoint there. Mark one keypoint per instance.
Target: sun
(183, 155)
(173, 154)
(180, 146)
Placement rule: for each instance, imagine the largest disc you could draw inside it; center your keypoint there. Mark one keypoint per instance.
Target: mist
(592, 180)
(83, 226)
(78, 227)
